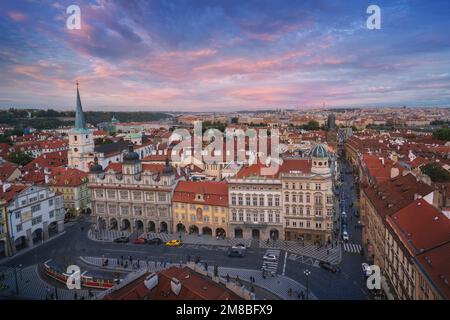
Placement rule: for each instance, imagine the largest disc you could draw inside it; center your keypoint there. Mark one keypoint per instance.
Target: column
(45, 231)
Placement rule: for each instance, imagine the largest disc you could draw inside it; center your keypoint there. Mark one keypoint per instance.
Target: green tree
(442, 134)
(436, 172)
(20, 158)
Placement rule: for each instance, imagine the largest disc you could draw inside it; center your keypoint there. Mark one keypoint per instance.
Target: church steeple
(80, 123)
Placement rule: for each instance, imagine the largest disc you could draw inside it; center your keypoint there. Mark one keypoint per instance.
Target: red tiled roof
(394, 194)
(11, 192)
(48, 160)
(68, 177)
(193, 287)
(425, 231)
(214, 193)
(6, 170)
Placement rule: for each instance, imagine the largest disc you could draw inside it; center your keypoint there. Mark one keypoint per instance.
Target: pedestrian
(328, 252)
(228, 277)
(138, 263)
(189, 258)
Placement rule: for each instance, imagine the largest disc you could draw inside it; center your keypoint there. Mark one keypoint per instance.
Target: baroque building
(307, 197)
(132, 195)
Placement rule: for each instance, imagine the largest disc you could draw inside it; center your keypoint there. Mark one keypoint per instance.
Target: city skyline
(207, 56)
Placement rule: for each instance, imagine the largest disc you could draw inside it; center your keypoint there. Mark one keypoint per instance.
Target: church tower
(81, 141)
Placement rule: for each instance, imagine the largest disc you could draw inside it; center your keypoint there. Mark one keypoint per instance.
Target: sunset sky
(205, 55)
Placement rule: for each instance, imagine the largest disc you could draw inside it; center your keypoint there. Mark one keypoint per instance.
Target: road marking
(285, 260)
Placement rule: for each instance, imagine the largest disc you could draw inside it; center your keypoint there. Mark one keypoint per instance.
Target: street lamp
(307, 273)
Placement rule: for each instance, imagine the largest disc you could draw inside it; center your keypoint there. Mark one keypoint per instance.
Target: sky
(207, 55)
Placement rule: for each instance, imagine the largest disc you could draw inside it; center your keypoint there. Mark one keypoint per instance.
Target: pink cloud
(17, 16)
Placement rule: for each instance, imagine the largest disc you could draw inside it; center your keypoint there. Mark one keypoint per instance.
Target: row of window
(193, 207)
(306, 224)
(193, 218)
(135, 195)
(306, 211)
(298, 197)
(301, 186)
(255, 200)
(24, 201)
(255, 217)
(126, 210)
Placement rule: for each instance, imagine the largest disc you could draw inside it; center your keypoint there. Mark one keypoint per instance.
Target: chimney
(151, 281)
(394, 172)
(175, 286)
(6, 187)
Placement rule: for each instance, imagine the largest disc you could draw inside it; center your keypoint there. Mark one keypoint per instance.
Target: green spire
(79, 115)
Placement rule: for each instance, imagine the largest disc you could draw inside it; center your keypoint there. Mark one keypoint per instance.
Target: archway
(255, 234)
(238, 233)
(181, 227)
(37, 236)
(151, 226)
(113, 225)
(163, 227)
(139, 225)
(2, 249)
(20, 243)
(52, 229)
(193, 229)
(220, 232)
(125, 225)
(274, 234)
(101, 223)
(207, 231)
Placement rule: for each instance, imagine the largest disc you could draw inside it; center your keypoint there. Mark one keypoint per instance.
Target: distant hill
(52, 119)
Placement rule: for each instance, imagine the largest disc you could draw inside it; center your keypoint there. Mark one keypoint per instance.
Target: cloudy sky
(206, 55)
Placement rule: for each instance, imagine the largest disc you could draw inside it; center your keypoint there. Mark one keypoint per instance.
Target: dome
(319, 151)
(130, 155)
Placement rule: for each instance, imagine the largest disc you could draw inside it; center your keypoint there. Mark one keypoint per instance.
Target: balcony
(258, 225)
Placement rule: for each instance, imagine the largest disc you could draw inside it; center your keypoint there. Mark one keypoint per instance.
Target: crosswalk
(351, 247)
(271, 266)
(324, 253)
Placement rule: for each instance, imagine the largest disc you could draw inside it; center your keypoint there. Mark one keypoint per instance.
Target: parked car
(345, 236)
(140, 241)
(154, 241)
(270, 257)
(122, 240)
(328, 266)
(240, 245)
(173, 243)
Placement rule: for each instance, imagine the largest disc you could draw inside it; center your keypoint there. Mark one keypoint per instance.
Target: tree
(442, 134)
(20, 158)
(436, 172)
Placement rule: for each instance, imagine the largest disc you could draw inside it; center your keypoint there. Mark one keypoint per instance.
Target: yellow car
(173, 243)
